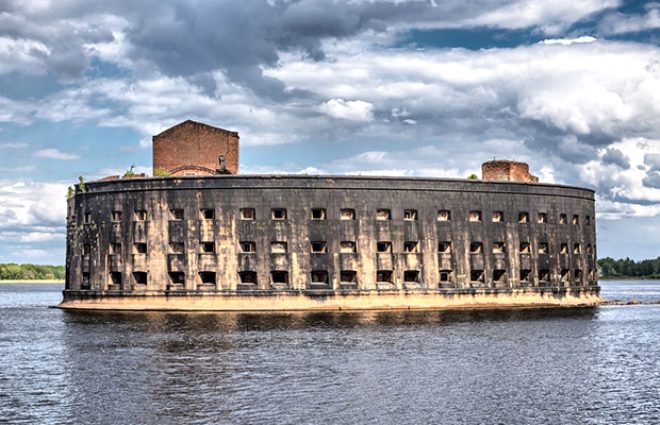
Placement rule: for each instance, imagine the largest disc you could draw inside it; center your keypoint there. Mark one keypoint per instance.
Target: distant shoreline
(31, 281)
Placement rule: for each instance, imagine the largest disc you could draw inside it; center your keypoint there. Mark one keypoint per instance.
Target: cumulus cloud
(55, 154)
(352, 110)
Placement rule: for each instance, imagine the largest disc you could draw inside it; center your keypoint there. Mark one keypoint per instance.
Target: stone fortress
(204, 237)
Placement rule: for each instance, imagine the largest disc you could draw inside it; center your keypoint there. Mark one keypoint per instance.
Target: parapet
(505, 170)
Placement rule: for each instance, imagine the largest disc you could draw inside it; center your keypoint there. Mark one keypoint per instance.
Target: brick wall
(506, 171)
(193, 148)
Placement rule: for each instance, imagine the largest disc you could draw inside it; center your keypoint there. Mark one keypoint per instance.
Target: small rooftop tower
(196, 149)
(509, 171)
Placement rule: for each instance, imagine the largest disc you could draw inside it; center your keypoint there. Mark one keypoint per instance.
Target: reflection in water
(541, 366)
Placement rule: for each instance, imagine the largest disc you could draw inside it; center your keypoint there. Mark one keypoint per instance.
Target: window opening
(544, 275)
(498, 216)
(577, 249)
(476, 248)
(384, 276)
(563, 248)
(411, 247)
(444, 247)
(347, 247)
(525, 248)
(411, 276)
(383, 214)
(279, 277)
(543, 248)
(444, 215)
(140, 278)
(248, 277)
(445, 275)
(116, 216)
(576, 219)
(320, 276)
(347, 214)
(384, 246)
(542, 217)
(474, 216)
(247, 214)
(348, 276)
(207, 214)
(525, 275)
(207, 247)
(249, 247)
(498, 248)
(499, 276)
(477, 276)
(318, 214)
(277, 247)
(139, 248)
(523, 217)
(319, 247)
(410, 215)
(177, 278)
(115, 278)
(176, 248)
(563, 219)
(176, 214)
(140, 215)
(207, 278)
(278, 214)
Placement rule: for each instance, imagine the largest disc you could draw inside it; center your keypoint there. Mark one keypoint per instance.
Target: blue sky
(413, 88)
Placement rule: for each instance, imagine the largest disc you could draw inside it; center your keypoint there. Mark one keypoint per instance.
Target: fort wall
(328, 242)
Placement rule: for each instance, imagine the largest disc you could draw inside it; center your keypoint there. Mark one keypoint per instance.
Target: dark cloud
(616, 157)
(652, 160)
(652, 179)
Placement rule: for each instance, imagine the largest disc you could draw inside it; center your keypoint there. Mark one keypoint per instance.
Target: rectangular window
(411, 276)
(577, 276)
(207, 247)
(474, 216)
(565, 276)
(348, 276)
(347, 214)
(563, 219)
(114, 248)
(140, 215)
(86, 249)
(248, 247)
(247, 214)
(248, 277)
(411, 247)
(383, 214)
(445, 276)
(410, 215)
(444, 247)
(542, 217)
(207, 214)
(384, 246)
(524, 248)
(384, 276)
(116, 216)
(576, 219)
(543, 248)
(587, 220)
(347, 247)
(318, 214)
(140, 278)
(444, 215)
(499, 276)
(176, 248)
(319, 247)
(476, 248)
(85, 284)
(207, 278)
(563, 248)
(320, 277)
(87, 218)
(177, 278)
(277, 247)
(523, 217)
(577, 249)
(115, 278)
(279, 277)
(139, 248)
(498, 216)
(544, 275)
(176, 214)
(525, 275)
(278, 214)
(498, 248)
(477, 276)
(589, 249)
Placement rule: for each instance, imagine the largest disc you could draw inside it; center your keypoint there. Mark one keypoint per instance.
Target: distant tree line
(645, 269)
(13, 271)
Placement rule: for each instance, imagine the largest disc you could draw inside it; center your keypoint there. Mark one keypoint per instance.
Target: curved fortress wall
(271, 235)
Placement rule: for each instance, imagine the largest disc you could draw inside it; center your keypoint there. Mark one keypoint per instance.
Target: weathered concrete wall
(323, 232)
(193, 148)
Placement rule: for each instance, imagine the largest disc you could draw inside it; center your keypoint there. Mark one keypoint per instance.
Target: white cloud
(352, 110)
(55, 154)
(619, 23)
(569, 41)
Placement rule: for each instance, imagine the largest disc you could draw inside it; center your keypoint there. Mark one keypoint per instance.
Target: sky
(370, 87)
